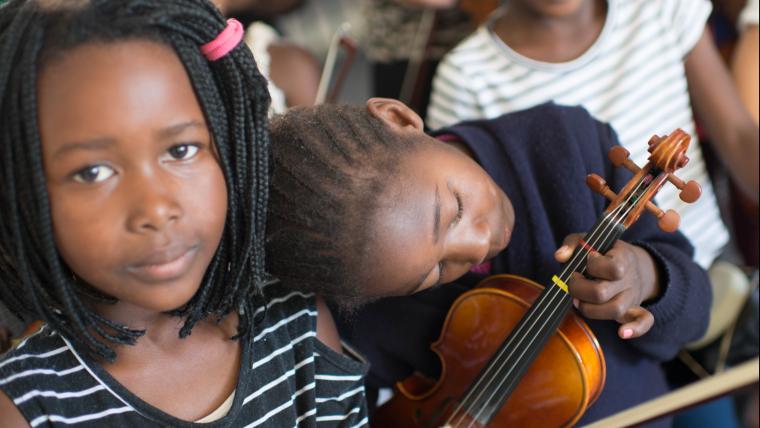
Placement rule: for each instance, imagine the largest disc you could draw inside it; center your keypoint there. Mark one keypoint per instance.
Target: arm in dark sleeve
(682, 310)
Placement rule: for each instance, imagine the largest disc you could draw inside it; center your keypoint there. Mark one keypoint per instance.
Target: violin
(511, 349)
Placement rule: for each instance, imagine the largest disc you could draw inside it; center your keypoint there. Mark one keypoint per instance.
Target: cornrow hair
(330, 167)
(35, 283)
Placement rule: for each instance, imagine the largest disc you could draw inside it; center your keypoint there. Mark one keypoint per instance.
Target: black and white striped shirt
(633, 77)
(288, 378)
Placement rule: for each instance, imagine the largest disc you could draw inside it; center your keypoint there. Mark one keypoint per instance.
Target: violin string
(553, 307)
(594, 238)
(478, 388)
(485, 376)
(604, 235)
(605, 217)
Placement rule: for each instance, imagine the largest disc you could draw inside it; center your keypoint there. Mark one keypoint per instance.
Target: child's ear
(395, 114)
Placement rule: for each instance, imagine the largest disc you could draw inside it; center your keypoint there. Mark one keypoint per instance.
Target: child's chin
(172, 300)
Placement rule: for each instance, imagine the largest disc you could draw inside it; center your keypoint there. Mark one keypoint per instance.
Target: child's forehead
(96, 52)
(112, 89)
(118, 68)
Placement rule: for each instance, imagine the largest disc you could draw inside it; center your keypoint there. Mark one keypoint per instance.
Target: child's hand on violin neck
(620, 281)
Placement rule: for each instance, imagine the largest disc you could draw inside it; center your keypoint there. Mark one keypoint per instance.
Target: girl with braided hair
(134, 163)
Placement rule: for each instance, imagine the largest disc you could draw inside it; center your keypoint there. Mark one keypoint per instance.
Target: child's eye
(93, 174)
(183, 151)
(460, 209)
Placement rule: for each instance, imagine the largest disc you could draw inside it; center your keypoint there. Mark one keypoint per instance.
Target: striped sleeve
(50, 387)
(451, 100)
(296, 378)
(687, 19)
(340, 395)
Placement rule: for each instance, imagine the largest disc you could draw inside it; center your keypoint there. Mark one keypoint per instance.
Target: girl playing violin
(379, 208)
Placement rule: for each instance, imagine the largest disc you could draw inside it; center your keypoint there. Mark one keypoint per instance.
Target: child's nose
(470, 244)
(153, 205)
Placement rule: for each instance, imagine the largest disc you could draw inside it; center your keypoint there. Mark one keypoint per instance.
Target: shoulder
(691, 10)
(540, 135)
(278, 306)
(472, 52)
(293, 316)
(550, 111)
(685, 19)
(292, 362)
(550, 120)
(543, 121)
(303, 322)
(479, 39)
(30, 373)
(41, 349)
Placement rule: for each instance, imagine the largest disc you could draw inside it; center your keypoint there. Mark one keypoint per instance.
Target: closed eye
(460, 209)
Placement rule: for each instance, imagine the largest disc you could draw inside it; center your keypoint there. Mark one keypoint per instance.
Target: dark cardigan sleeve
(682, 310)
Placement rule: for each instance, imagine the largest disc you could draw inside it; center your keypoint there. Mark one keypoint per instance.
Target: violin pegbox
(667, 154)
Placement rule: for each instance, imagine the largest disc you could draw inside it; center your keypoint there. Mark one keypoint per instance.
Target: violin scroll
(667, 154)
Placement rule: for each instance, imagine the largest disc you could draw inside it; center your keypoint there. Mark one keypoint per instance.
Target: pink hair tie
(225, 41)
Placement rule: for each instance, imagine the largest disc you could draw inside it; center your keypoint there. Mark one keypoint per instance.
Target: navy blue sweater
(540, 157)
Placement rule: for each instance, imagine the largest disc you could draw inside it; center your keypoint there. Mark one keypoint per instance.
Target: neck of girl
(551, 36)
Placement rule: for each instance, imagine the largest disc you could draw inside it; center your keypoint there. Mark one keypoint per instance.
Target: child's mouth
(165, 264)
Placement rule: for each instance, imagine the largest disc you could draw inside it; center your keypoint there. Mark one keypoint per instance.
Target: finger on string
(636, 322)
(612, 309)
(591, 290)
(564, 252)
(610, 267)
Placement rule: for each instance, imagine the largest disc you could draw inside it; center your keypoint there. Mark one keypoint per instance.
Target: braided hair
(331, 168)
(34, 280)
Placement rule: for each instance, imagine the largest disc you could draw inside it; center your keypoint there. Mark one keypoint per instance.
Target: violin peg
(690, 192)
(669, 221)
(598, 185)
(618, 155)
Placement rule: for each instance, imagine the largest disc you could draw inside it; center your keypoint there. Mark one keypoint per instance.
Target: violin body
(565, 378)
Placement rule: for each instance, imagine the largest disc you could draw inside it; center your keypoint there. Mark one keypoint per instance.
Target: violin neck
(517, 352)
